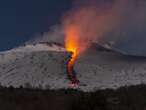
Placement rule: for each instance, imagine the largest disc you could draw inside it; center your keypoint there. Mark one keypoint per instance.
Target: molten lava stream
(72, 44)
(71, 72)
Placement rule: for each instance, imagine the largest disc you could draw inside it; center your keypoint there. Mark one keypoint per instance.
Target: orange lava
(72, 44)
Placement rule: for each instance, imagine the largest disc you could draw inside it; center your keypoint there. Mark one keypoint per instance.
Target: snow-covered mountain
(43, 65)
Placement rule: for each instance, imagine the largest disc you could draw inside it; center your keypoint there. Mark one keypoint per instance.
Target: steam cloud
(122, 22)
(116, 21)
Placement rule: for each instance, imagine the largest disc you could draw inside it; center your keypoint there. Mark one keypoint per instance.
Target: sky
(22, 19)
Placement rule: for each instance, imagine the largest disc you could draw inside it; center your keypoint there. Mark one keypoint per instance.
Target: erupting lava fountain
(72, 45)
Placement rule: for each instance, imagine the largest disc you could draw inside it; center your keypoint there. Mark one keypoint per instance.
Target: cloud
(120, 21)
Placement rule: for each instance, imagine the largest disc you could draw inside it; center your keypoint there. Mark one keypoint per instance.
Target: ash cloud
(132, 28)
(122, 22)
(55, 34)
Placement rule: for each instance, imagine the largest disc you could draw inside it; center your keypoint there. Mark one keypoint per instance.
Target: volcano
(43, 65)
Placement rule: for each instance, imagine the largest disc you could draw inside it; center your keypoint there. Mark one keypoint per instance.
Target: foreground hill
(124, 98)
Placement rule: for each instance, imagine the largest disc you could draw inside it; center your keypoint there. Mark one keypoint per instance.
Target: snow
(19, 52)
(43, 66)
(37, 47)
(103, 70)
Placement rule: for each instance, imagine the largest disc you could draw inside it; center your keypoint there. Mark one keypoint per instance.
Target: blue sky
(22, 19)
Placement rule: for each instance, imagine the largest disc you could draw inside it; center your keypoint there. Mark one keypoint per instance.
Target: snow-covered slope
(35, 65)
(42, 46)
(43, 65)
(107, 69)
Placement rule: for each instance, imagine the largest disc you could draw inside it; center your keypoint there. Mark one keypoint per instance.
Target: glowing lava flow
(71, 45)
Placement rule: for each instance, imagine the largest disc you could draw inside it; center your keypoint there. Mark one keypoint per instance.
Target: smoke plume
(119, 22)
(113, 21)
